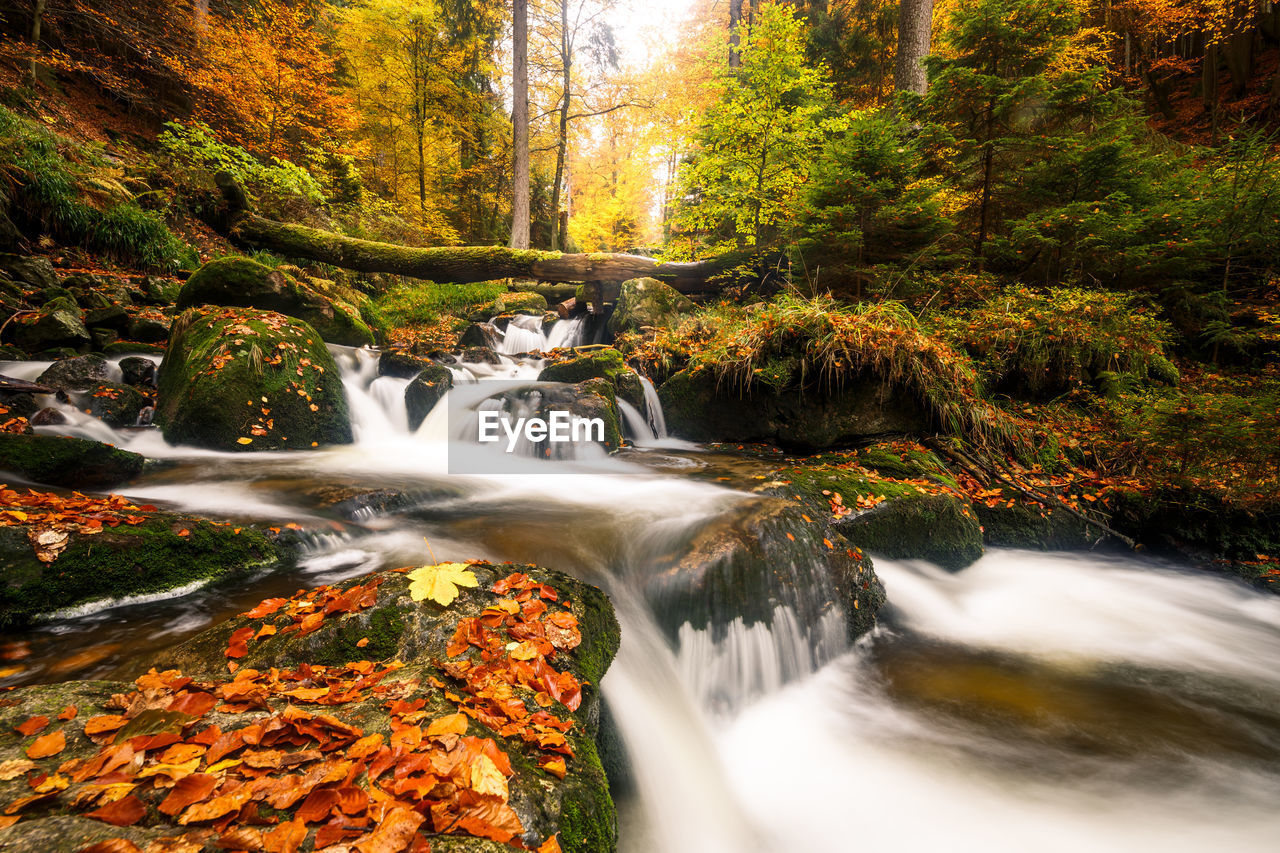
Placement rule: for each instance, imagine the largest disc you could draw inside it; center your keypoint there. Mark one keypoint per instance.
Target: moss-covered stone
(133, 348)
(647, 303)
(74, 463)
(401, 365)
(127, 560)
(598, 364)
(244, 283)
(699, 408)
(113, 404)
(426, 389)
(908, 520)
(240, 379)
(57, 327)
(1010, 521)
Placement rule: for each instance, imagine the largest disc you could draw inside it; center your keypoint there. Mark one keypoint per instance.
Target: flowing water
(1032, 702)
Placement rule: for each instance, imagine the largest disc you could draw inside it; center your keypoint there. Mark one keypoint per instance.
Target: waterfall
(528, 333)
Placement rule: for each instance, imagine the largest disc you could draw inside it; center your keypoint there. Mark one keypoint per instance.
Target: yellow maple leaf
(440, 583)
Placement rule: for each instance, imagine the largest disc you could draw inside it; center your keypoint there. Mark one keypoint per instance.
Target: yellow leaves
(486, 778)
(439, 583)
(244, 440)
(453, 724)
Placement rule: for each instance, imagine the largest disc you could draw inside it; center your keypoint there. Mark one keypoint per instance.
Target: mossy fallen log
(457, 264)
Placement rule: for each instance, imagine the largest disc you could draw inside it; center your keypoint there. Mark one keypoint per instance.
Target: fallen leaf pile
(258, 762)
(52, 518)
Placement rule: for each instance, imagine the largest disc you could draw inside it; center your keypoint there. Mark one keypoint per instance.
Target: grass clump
(817, 344)
(71, 192)
(422, 303)
(1042, 344)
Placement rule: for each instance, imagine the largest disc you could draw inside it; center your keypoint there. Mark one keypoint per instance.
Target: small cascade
(376, 403)
(526, 333)
(653, 409)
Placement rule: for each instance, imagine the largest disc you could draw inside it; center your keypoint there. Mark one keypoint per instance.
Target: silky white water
(1032, 702)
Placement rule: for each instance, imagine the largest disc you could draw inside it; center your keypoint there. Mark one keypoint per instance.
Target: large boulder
(647, 303)
(515, 302)
(357, 715)
(58, 324)
(244, 283)
(35, 272)
(239, 379)
(75, 551)
(73, 463)
(700, 408)
(114, 404)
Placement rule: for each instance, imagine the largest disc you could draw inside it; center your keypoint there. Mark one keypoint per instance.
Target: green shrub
(1043, 344)
(69, 191)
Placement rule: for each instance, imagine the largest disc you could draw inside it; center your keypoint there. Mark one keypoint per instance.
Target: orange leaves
(123, 812)
(394, 832)
(239, 644)
(47, 745)
(31, 726)
(266, 608)
(188, 791)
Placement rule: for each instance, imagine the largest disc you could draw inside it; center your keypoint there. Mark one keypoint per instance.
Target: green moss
(588, 819)
(647, 302)
(70, 462)
(217, 381)
(1028, 525)
(127, 560)
(383, 630)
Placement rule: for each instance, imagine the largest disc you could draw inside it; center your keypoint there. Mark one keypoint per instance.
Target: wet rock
(518, 302)
(240, 379)
(149, 330)
(113, 317)
(103, 337)
(480, 355)
(646, 303)
(598, 364)
(11, 353)
(129, 559)
(426, 389)
(48, 417)
(59, 326)
(152, 290)
(138, 372)
(115, 405)
(76, 374)
(478, 335)
(699, 408)
(133, 347)
(1028, 525)
(244, 283)
(74, 463)
(35, 272)
(401, 365)
(90, 300)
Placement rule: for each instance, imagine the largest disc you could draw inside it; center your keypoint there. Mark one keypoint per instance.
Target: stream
(1032, 702)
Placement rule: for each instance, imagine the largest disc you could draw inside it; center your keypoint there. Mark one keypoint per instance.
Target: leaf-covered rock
(239, 379)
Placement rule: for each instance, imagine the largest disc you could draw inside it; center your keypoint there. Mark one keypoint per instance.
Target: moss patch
(75, 463)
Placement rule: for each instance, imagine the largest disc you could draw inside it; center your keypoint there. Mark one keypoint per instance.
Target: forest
(934, 350)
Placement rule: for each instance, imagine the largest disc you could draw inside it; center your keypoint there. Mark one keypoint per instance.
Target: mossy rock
(73, 463)
(516, 302)
(908, 521)
(51, 329)
(235, 374)
(151, 557)
(429, 385)
(402, 365)
(647, 303)
(699, 408)
(32, 270)
(598, 364)
(244, 283)
(114, 404)
(1010, 521)
(133, 348)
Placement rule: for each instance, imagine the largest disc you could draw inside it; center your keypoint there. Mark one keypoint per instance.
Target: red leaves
(188, 791)
(125, 811)
(238, 647)
(266, 608)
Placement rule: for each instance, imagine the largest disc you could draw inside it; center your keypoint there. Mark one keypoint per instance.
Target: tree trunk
(453, 265)
(735, 40)
(562, 141)
(37, 23)
(520, 127)
(1209, 82)
(915, 36)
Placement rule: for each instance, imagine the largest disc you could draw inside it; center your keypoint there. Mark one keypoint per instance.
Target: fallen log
(448, 264)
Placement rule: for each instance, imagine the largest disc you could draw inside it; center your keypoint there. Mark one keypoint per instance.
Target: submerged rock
(700, 408)
(73, 463)
(244, 283)
(239, 379)
(372, 692)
